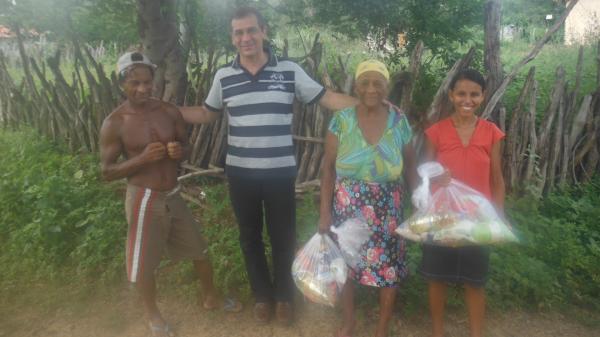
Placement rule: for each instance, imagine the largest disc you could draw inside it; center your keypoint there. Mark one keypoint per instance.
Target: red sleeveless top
(470, 164)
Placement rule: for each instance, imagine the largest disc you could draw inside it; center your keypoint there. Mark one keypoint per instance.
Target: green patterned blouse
(358, 159)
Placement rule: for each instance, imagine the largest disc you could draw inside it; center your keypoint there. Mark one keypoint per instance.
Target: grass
(546, 63)
(555, 269)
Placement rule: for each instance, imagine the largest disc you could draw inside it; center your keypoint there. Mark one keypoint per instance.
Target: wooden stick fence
(562, 148)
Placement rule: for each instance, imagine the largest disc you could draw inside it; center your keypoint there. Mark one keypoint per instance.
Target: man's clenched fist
(175, 150)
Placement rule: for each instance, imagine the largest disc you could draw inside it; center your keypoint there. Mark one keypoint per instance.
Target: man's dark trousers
(271, 198)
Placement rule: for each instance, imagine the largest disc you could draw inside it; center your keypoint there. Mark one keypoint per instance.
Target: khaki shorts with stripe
(159, 221)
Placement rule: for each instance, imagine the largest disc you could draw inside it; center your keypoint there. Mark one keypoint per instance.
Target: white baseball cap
(130, 58)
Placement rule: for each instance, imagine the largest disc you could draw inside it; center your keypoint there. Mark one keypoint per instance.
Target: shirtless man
(151, 136)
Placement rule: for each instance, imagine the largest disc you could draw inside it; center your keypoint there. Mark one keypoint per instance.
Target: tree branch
(532, 54)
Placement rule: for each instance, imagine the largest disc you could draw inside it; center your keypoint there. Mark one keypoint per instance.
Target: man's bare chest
(139, 130)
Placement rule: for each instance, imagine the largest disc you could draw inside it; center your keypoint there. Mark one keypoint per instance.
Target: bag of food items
(352, 234)
(319, 270)
(455, 215)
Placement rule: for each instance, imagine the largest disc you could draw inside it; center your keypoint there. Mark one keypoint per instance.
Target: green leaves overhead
(524, 13)
(92, 20)
(439, 23)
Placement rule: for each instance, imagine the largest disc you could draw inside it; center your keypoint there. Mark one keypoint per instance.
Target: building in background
(583, 23)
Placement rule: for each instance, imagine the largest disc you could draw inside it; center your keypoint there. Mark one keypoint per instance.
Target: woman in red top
(469, 148)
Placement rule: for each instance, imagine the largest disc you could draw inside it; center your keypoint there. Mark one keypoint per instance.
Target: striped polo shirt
(260, 111)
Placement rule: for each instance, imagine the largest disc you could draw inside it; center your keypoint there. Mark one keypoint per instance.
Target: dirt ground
(122, 316)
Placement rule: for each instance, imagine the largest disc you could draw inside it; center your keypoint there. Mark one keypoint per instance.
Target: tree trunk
(158, 29)
(409, 87)
(493, 65)
(440, 105)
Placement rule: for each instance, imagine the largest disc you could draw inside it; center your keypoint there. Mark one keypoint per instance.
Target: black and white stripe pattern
(260, 114)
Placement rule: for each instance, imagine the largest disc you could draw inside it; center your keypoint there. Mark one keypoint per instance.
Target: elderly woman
(469, 148)
(368, 156)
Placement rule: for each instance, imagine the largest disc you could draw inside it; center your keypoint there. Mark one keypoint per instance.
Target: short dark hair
(243, 12)
(468, 74)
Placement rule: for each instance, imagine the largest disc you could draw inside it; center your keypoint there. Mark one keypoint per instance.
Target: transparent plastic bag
(319, 270)
(351, 235)
(421, 195)
(456, 215)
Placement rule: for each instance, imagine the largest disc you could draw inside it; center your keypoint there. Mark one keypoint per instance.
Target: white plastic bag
(319, 270)
(351, 235)
(456, 215)
(421, 195)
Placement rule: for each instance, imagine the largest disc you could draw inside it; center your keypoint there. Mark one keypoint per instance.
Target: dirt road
(122, 316)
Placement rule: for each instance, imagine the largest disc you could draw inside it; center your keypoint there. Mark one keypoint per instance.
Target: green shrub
(221, 231)
(57, 220)
(558, 260)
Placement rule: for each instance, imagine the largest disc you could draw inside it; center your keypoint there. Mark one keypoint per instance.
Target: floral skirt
(379, 204)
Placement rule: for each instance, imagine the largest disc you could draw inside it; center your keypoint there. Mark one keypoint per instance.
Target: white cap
(130, 58)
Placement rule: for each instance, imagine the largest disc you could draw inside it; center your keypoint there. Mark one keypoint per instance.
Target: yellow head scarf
(372, 65)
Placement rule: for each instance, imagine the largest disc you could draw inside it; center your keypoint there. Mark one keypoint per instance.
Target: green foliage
(413, 292)
(58, 222)
(34, 14)
(220, 229)
(92, 21)
(307, 218)
(525, 13)
(552, 56)
(558, 262)
(440, 24)
(106, 20)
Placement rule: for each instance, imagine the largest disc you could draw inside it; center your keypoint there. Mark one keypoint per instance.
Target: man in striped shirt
(258, 89)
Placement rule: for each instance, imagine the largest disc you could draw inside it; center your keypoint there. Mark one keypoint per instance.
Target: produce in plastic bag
(455, 215)
(351, 235)
(319, 270)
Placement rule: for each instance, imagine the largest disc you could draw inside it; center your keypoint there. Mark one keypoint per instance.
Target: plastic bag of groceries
(319, 270)
(351, 236)
(455, 215)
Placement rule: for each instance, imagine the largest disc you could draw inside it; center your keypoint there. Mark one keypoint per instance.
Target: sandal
(161, 330)
(228, 305)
